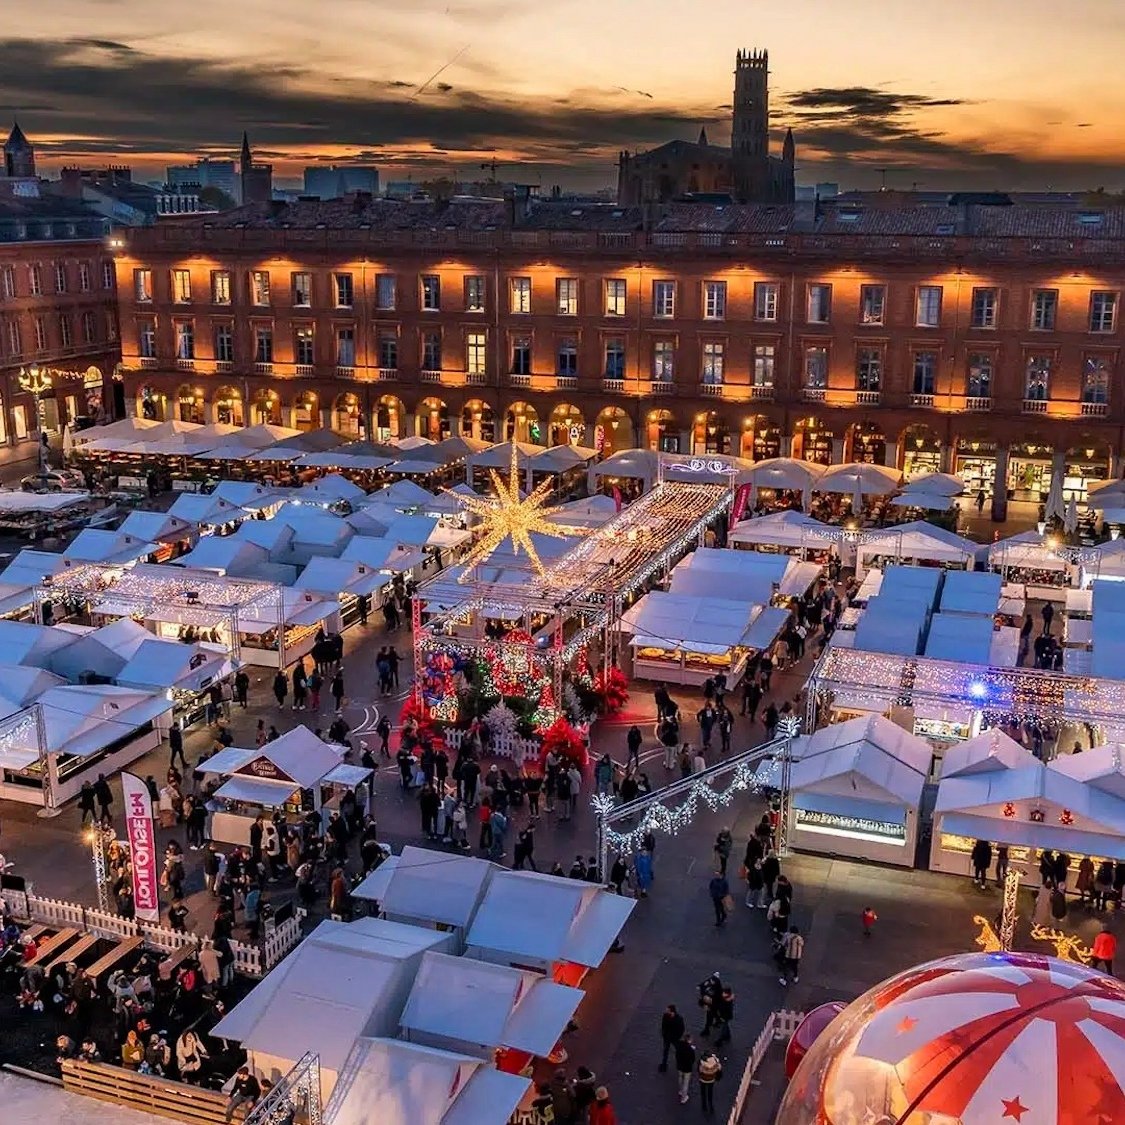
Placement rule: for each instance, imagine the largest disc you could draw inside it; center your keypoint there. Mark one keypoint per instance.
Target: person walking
(719, 890)
(709, 1071)
(706, 719)
(684, 1052)
(601, 1109)
(792, 949)
(241, 688)
(104, 795)
(724, 843)
(86, 803)
(1048, 614)
(724, 1016)
(338, 689)
(981, 856)
(1002, 865)
(176, 746)
(633, 742)
(672, 1030)
(280, 687)
(726, 728)
(869, 918)
(300, 685)
(1104, 950)
(751, 697)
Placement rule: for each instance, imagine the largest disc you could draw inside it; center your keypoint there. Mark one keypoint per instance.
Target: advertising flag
(141, 834)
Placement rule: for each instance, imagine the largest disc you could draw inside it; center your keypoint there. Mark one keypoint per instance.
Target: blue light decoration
(978, 689)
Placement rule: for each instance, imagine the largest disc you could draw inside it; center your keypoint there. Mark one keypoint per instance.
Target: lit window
(872, 304)
(664, 299)
(142, 285)
(431, 292)
(615, 297)
(819, 308)
(765, 300)
(714, 300)
(220, 287)
(713, 353)
(927, 306)
(474, 293)
(520, 294)
(181, 286)
(260, 289)
(566, 296)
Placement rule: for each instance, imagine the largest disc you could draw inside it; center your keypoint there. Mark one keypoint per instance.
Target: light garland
(1008, 913)
(660, 818)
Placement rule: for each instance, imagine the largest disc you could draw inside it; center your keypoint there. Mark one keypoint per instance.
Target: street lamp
(38, 381)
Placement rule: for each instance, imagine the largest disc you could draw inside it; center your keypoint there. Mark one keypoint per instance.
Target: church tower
(19, 156)
(750, 132)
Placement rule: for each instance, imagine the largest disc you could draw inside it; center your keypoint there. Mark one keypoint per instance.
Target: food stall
(1031, 565)
(171, 535)
(787, 532)
(856, 789)
(919, 544)
(295, 773)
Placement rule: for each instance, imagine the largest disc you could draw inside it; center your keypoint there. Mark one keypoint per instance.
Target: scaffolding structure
(576, 602)
(294, 1099)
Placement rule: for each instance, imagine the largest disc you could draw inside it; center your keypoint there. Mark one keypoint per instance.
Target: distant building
(335, 181)
(806, 193)
(255, 180)
(403, 189)
(112, 193)
(220, 174)
(746, 171)
(19, 156)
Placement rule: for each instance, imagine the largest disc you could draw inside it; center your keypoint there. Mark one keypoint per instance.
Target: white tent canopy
(870, 480)
(1026, 549)
(990, 750)
(783, 474)
(332, 577)
(918, 540)
(16, 502)
(161, 665)
(94, 545)
(781, 529)
(249, 495)
(927, 501)
(966, 640)
(701, 624)
(206, 511)
(937, 484)
(383, 554)
(156, 527)
(126, 429)
(1102, 767)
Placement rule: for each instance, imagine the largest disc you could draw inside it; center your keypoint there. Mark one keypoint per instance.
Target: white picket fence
(779, 1025)
(500, 746)
(251, 960)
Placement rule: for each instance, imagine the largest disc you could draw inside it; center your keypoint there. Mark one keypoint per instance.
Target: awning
(345, 774)
(257, 791)
(1029, 834)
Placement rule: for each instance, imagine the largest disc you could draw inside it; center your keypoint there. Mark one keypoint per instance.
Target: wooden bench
(34, 933)
(120, 951)
(83, 945)
(144, 1092)
(176, 958)
(52, 946)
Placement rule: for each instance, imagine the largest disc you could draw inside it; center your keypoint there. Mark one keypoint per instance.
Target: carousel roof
(975, 1039)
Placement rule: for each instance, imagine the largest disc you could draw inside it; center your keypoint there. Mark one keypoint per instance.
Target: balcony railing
(978, 405)
(566, 382)
(868, 398)
(224, 365)
(1095, 409)
(345, 371)
(387, 374)
(147, 360)
(518, 380)
(304, 368)
(661, 387)
(614, 386)
(184, 364)
(263, 368)
(476, 378)
(1035, 406)
(429, 375)
(711, 390)
(921, 400)
(761, 392)
(813, 394)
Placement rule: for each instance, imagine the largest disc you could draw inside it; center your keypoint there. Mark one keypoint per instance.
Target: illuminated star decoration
(509, 515)
(1013, 1108)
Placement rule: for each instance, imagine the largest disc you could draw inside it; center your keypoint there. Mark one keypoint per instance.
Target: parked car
(53, 480)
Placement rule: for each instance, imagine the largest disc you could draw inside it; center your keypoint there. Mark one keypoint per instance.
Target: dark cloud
(861, 102)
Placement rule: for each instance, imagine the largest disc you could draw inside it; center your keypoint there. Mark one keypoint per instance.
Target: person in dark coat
(982, 860)
(672, 1030)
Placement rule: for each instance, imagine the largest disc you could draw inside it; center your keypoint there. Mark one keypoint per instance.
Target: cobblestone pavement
(671, 942)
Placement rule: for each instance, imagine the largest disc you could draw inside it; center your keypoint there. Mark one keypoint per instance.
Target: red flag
(617, 497)
(741, 499)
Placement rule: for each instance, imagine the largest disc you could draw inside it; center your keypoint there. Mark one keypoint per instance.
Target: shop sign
(142, 847)
(852, 825)
(263, 767)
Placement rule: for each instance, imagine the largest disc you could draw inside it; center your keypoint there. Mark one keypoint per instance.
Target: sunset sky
(980, 93)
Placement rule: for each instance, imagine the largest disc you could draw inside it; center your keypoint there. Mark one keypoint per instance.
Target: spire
(703, 135)
(19, 155)
(16, 139)
(789, 149)
(246, 159)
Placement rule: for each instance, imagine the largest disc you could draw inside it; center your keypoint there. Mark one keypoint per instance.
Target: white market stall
(557, 926)
(426, 888)
(1028, 807)
(344, 981)
(856, 788)
(919, 543)
(295, 773)
(345, 581)
(1029, 561)
(746, 575)
(786, 531)
(389, 1082)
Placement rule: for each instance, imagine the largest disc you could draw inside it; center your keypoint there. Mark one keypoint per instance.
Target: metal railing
(1035, 406)
(978, 405)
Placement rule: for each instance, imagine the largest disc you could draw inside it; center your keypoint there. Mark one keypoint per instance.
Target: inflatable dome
(976, 1039)
(807, 1033)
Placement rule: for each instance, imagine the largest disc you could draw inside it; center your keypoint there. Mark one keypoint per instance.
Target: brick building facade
(58, 309)
(975, 337)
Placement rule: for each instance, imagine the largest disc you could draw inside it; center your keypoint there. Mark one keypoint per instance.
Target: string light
(1008, 912)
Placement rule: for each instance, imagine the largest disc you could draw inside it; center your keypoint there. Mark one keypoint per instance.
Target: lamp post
(38, 381)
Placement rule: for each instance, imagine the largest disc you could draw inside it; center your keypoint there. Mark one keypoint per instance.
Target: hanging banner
(617, 498)
(741, 499)
(141, 834)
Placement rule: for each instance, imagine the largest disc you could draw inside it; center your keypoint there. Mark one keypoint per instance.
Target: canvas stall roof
(957, 637)
(330, 489)
(871, 480)
(548, 918)
(22, 642)
(331, 577)
(227, 554)
(236, 445)
(748, 588)
(12, 502)
(81, 720)
(108, 547)
(685, 621)
(249, 495)
(560, 458)
(971, 591)
(588, 512)
(488, 1005)
(227, 760)
(159, 665)
(781, 529)
(299, 754)
(424, 531)
(633, 464)
(21, 685)
(155, 527)
(748, 564)
(434, 887)
(865, 770)
(922, 582)
(345, 774)
(499, 456)
(868, 731)
(257, 791)
(357, 455)
(927, 501)
(383, 554)
(919, 540)
(1102, 767)
(448, 501)
(290, 448)
(784, 474)
(413, 441)
(990, 750)
(941, 484)
(272, 535)
(402, 494)
(1108, 657)
(125, 429)
(104, 651)
(312, 526)
(1104, 597)
(891, 625)
(209, 511)
(30, 567)
(374, 886)
(1024, 550)
(387, 1080)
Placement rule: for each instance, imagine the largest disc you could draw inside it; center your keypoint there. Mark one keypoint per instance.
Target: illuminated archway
(812, 441)
(347, 417)
(390, 418)
(228, 407)
(306, 411)
(521, 423)
(266, 408)
(921, 451)
(567, 426)
(433, 419)
(866, 443)
(710, 434)
(613, 431)
(478, 420)
(189, 404)
(152, 403)
(761, 439)
(662, 432)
